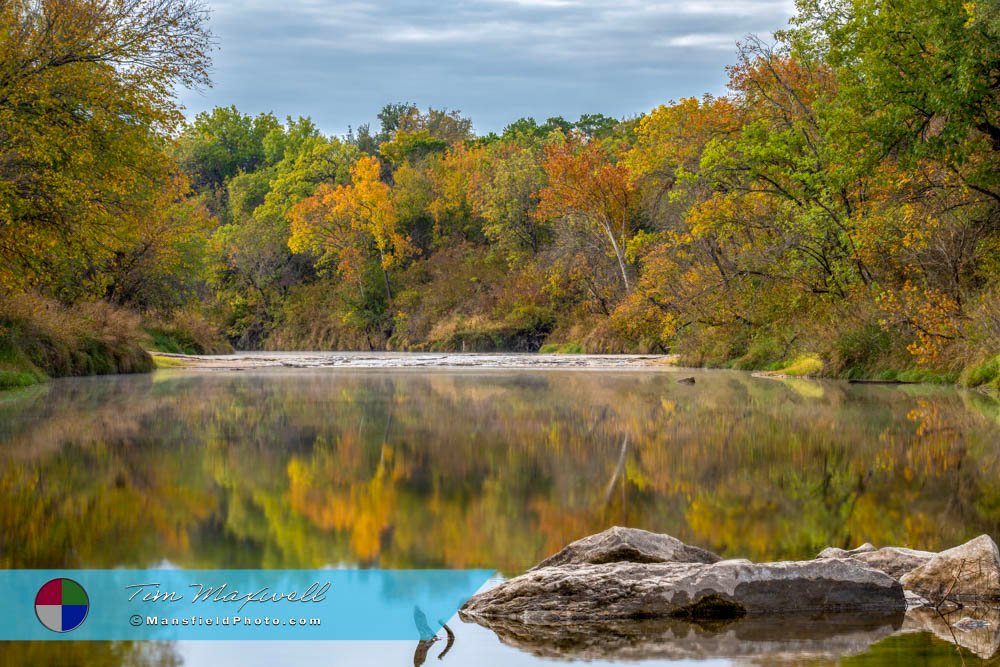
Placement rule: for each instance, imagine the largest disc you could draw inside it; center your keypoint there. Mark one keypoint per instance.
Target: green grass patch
(803, 365)
(169, 341)
(921, 375)
(765, 351)
(160, 361)
(18, 379)
(561, 348)
(985, 376)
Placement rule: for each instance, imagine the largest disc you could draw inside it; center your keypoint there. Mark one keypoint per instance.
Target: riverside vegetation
(837, 213)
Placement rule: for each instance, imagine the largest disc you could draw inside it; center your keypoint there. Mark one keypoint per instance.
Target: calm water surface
(418, 468)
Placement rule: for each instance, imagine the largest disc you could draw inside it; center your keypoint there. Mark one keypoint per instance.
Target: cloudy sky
(339, 61)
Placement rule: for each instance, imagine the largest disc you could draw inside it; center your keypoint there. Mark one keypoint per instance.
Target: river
(486, 461)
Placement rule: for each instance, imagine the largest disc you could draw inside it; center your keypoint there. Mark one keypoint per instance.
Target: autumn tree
(585, 188)
(344, 224)
(504, 192)
(221, 143)
(86, 92)
(918, 78)
(164, 267)
(252, 267)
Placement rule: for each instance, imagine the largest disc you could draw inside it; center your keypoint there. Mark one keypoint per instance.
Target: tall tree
(86, 92)
(584, 187)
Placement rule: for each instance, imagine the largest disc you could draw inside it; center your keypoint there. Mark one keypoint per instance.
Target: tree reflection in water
(495, 469)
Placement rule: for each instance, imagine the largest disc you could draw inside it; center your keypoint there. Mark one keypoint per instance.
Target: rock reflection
(976, 629)
(830, 636)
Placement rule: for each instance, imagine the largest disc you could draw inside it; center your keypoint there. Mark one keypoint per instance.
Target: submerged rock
(727, 589)
(618, 544)
(970, 571)
(894, 561)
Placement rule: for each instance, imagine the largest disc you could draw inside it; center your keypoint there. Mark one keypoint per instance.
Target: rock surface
(730, 589)
(834, 552)
(894, 561)
(970, 571)
(631, 545)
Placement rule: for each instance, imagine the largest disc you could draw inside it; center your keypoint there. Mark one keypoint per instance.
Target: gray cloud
(496, 60)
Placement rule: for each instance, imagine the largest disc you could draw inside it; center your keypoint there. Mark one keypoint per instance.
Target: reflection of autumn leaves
(77, 509)
(460, 470)
(334, 501)
(928, 417)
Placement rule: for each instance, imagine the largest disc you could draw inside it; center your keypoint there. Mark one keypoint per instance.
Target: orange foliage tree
(585, 188)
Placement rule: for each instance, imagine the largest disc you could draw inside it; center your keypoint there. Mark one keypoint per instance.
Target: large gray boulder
(726, 589)
(618, 544)
(894, 561)
(970, 571)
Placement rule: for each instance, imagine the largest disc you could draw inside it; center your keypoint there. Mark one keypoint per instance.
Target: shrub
(186, 332)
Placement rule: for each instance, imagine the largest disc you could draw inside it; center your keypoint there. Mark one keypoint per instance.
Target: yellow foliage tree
(346, 224)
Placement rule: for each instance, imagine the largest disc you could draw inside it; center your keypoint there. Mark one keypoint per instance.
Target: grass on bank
(561, 348)
(984, 377)
(806, 365)
(40, 338)
(161, 361)
(185, 332)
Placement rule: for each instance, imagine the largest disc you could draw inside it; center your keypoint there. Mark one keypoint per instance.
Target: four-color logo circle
(62, 605)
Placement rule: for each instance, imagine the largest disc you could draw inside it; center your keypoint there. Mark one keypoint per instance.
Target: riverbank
(983, 376)
(41, 338)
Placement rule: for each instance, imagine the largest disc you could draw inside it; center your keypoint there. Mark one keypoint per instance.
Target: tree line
(837, 211)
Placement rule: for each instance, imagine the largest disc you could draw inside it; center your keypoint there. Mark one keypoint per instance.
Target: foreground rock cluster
(624, 578)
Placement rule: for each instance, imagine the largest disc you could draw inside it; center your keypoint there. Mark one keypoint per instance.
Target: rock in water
(631, 545)
(726, 589)
(894, 561)
(970, 571)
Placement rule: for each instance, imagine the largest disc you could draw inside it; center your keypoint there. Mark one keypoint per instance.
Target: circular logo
(61, 605)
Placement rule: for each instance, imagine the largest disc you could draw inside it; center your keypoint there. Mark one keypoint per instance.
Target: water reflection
(830, 637)
(494, 469)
